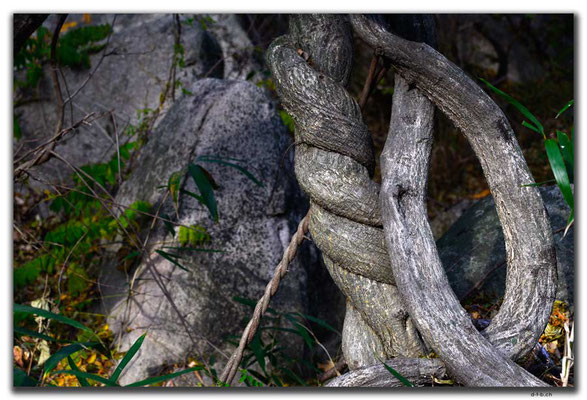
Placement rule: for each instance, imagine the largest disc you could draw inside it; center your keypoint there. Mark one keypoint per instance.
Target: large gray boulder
(227, 119)
(131, 79)
(473, 249)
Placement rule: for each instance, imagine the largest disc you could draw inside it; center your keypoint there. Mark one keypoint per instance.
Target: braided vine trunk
(334, 163)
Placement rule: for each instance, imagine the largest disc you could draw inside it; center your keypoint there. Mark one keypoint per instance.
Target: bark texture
(23, 27)
(416, 266)
(334, 162)
(419, 371)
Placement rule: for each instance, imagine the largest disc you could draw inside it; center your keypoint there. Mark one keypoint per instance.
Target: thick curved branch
(435, 309)
(334, 162)
(531, 278)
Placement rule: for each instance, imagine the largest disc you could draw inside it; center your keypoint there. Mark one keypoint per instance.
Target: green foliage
(76, 45)
(23, 379)
(195, 235)
(85, 224)
(73, 50)
(35, 52)
(277, 367)
(287, 121)
(559, 152)
(16, 131)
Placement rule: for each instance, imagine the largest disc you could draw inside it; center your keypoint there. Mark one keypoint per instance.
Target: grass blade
(539, 183)
(530, 126)
(206, 190)
(320, 322)
(157, 379)
(27, 332)
(570, 222)
(66, 351)
(169, 257)
(87, 375)
(127, 357)
(47, 314)
(193, 249)
(168, 225)
(235, 166)
(565, 108)
(519, 106)
(21, 379)
(258, 350)
(132, 255)
(82, 381)
(568, 151)
(557, 165)
(399, 376)
(253, 304)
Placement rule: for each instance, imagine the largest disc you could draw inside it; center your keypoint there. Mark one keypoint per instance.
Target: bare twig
(334, 371)
(43, 156)
(231, 367)
(91, 74)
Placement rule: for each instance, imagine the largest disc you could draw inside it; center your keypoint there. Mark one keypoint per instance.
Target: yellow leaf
(67, 25)
(481, 194)
(87, 18)
(91, 358)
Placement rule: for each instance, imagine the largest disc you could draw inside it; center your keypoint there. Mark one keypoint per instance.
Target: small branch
(334, 371)
(44, 150)
(368, 82)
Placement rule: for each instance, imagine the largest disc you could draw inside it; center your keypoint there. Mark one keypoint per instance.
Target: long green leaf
(320, 322)
(399, 376)
(565, 108)
(235, 166)
(157, 379)
(557, 165)
(530, 126)
(27, 332)
(193, 249)
(169, 258)
(127, 357)
(302, 331)
(206, 190)
(86, 375)
(519, 106)
(568, 151)
(66, 351)
(258, 350)
(82, 381)
(252, 303)
(539, 183)
(570, 222)
(168, 225)
(21, 379)
(47, 314)
(132, 255)
(195, 196)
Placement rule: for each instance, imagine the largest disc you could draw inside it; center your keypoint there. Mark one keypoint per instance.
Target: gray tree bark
(334, 164)
(531, 281)
(23, 27)
(419, 371)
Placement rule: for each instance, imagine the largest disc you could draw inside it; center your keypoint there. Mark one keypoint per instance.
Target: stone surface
(131, 79)
(473, 249)
(227, 119)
